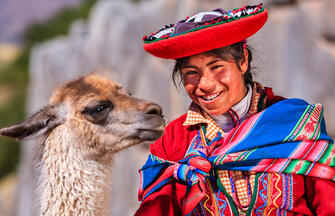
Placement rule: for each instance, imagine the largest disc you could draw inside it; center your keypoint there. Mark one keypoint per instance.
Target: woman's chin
(212, 107)
(213, 110)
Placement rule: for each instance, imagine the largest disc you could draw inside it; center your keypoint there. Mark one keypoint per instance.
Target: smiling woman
(239, 149)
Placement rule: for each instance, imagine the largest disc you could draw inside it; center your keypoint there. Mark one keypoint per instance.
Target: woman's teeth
(210, 97)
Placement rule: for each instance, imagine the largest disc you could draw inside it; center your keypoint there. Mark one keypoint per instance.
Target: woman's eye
(216, 67)
(190, 72)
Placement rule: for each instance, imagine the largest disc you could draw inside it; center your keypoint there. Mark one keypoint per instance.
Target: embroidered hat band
(205, 31)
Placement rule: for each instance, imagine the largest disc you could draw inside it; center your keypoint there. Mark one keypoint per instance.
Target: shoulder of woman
(271, 97)
(175, 140)
(319, 194)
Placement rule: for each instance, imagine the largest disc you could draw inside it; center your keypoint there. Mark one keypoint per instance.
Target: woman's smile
(210, 98)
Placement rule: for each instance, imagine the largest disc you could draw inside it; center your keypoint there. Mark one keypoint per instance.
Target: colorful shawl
(288, 137)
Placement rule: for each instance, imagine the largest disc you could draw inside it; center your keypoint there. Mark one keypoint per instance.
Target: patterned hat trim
(235, 14)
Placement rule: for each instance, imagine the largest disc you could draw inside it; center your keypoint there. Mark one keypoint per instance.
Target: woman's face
(214, 84)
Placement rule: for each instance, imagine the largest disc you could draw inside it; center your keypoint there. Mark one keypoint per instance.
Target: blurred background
(44, 43)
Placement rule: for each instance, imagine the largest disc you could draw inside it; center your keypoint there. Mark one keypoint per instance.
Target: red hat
(205, 31)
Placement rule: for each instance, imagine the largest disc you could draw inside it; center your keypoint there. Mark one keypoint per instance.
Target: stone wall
(294, 53)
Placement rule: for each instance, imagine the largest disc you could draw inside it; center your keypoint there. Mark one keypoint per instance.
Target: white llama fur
(84, 188)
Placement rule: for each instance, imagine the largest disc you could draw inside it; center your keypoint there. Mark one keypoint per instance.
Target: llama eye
(98, 109)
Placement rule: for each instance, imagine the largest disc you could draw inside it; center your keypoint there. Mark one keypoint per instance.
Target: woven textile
(196, 116)
(299, 141)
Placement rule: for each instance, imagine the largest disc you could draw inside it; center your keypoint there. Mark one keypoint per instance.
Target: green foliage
(16, 77)
(58, 25)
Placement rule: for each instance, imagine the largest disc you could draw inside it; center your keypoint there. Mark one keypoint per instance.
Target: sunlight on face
(214, 84)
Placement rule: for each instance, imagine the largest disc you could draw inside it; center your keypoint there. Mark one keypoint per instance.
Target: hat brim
(208, 38)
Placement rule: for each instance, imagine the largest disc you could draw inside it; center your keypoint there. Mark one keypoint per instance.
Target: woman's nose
(206, 84)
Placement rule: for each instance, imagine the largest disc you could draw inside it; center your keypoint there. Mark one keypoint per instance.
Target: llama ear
(35, 125)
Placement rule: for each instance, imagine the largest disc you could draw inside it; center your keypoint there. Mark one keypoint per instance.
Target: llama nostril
(153, 109)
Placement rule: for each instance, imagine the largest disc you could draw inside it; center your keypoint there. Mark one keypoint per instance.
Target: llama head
(96, 115)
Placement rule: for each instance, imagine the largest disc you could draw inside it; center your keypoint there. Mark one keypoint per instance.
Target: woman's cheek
(189, 88)
(189, 82)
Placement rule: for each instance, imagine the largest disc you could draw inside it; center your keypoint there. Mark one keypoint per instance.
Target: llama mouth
(151, 134)
(151, 128)
(210, 97)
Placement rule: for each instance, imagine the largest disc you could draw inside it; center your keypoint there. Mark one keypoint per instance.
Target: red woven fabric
(207, 38)
(311, 196)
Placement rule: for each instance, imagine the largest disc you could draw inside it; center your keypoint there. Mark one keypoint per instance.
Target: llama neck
(71, 184)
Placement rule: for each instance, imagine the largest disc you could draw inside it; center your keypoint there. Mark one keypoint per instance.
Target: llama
(86, 121)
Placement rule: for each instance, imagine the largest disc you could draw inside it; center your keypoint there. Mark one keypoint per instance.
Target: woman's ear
(244, 63)
(36, 125)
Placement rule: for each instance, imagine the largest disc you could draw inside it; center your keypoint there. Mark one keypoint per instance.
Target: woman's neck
(235, 113)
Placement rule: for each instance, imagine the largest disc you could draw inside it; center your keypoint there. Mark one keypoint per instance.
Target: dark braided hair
(232, 52)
